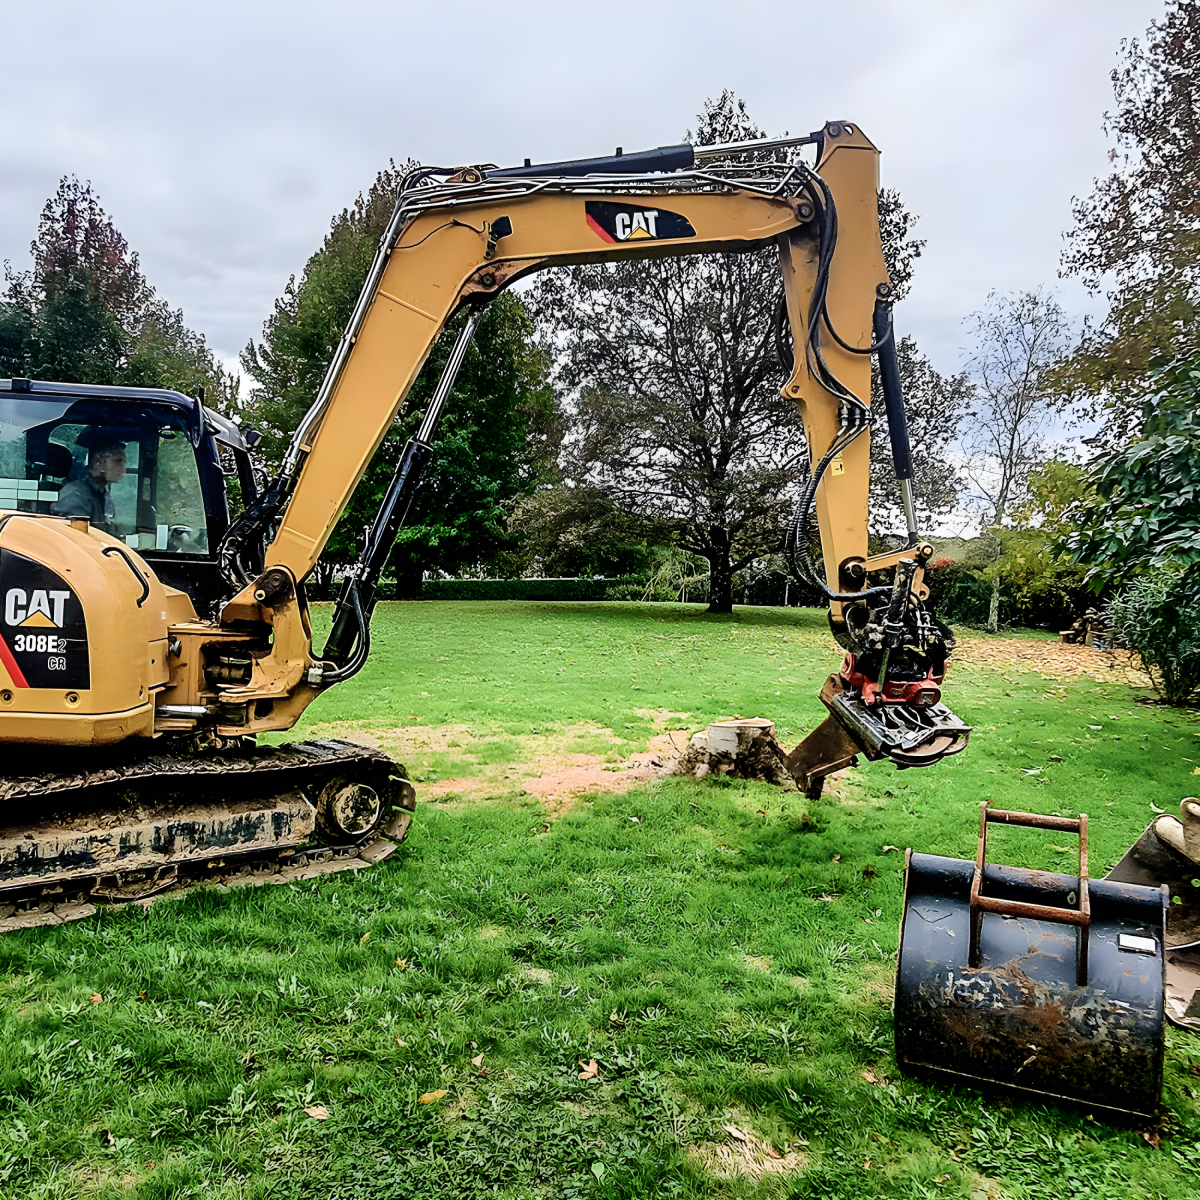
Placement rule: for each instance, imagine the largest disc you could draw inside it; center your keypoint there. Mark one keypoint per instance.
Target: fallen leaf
(828, 899)
(97, 998)
(149, 1164)
(941, 1178)
(889, 849)
(1095, 726)
(736, 1133)
(109, 1140)
(430, 1097)
(590, 1071)
(1156, 808)
(1053, 758)
(772, 1152)
(636, 820)
(141, 995)
(1196, 770)
(318, 1112)
(1150, 1136)
(366, 937)
(836, 858)
(477, 1061)
(402, 963)
(872, 1078)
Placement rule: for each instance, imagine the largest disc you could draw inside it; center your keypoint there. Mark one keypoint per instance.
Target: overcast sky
(222, 137)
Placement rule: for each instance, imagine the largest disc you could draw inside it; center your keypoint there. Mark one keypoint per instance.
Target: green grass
(726, 957)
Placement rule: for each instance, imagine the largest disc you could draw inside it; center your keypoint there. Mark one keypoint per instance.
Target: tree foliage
(1137, 235)
(1144, 511)
(1158, 616)
(500, 427)
(84, 312)
(1042, 586)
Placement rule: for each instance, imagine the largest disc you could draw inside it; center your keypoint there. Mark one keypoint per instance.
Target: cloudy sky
(223, 136)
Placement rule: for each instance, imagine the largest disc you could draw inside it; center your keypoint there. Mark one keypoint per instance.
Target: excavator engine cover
(1043, 983)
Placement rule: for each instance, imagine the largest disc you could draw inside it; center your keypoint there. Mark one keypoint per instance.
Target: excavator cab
(143, 466)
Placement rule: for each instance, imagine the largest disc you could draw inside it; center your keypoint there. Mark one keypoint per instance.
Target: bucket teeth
(908, 736)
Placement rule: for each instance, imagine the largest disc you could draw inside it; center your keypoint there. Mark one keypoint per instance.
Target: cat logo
(632, 222)
(42, 608)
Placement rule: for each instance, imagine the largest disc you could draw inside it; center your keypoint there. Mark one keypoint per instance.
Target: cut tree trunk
(744, 747)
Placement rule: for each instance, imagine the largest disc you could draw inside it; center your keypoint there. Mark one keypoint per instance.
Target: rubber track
(119, 778)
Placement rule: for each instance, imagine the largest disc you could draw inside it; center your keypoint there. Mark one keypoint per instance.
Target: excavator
(147, 640)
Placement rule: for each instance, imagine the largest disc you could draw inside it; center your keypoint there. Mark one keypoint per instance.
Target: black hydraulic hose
(248, 532)
(641, 162)
(362, 650)
(893, 395)
(799, 532)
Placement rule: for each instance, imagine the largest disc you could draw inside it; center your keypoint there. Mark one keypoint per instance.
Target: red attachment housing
(919, 693)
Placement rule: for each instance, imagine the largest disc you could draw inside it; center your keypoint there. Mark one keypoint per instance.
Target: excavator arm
(457, 238)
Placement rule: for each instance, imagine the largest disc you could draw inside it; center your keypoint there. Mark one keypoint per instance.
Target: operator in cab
(91, 496)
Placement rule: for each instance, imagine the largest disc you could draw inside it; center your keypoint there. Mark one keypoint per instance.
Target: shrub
(1158, 615)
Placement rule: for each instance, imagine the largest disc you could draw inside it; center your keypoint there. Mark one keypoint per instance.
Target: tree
(674, 387)
(500, 428)
(1019, 339)
(1144, 510)
(1138, 232)
(1042, 585)
(675, 390)
(85, 313)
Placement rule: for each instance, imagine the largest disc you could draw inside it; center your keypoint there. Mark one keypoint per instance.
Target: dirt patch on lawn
(1054, 660)
(549, 770)
(560, 787)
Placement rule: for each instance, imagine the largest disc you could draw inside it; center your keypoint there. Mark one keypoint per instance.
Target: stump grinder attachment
(1043, 983)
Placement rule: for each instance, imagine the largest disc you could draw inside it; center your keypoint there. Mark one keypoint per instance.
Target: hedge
(533, 589)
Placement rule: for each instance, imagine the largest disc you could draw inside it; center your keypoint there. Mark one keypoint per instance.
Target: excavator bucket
(1168, 855)
(901, 733)
(1036, 982)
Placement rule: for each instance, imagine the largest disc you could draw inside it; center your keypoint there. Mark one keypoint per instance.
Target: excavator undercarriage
(122, 827)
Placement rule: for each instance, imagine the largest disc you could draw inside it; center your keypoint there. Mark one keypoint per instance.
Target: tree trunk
(720, 572)
(993, 620)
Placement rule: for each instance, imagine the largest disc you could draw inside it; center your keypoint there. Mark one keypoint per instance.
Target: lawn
(680, 989)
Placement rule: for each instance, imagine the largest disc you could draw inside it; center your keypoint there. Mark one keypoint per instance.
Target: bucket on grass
(1044, 983)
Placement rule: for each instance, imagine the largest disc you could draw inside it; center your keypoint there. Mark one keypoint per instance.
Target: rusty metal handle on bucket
(980, 904)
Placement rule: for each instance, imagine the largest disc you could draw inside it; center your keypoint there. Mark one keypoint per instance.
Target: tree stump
(744, 747)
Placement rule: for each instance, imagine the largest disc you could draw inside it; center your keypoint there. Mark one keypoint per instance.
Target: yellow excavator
(147, 639)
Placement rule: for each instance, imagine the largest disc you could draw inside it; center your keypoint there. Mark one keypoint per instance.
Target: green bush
(1157, 615)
